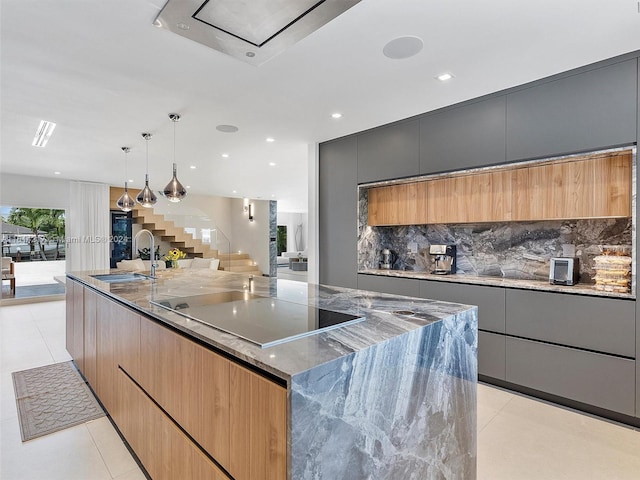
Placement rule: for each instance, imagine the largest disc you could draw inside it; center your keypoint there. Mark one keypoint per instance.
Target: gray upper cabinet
(602, 324)
(464, 137)
(389, 152)
(338, 203)
(589, 110)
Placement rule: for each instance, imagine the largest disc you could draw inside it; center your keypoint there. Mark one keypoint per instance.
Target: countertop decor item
(174, 191)
(174, 255)
(146, 197)
(126, 201)
(613, 269)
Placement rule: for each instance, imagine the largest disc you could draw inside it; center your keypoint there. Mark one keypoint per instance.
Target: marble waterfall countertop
(579, 289)
(381, 324)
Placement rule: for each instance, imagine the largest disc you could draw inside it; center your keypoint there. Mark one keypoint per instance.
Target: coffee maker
(444, 259)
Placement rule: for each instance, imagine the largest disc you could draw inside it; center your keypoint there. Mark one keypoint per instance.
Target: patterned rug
(52, 398)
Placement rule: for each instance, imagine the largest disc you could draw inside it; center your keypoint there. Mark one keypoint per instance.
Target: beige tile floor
(518, 438)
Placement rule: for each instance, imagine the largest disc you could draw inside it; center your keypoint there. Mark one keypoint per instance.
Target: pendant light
(146, 197)
(174, 191)
(126, 201)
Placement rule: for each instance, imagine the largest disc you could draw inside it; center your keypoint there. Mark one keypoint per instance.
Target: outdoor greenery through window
(31, 234)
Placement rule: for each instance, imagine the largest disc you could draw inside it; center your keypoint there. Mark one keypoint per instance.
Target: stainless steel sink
(120, 277)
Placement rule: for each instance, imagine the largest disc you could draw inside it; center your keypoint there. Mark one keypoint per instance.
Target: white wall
(293, 221)
(251, 237)
(33, 192)
(313, 274)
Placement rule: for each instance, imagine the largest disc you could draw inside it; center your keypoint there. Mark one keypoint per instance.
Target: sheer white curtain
(88, 227)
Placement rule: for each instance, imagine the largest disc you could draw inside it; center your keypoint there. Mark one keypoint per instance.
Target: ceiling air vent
(251, 30)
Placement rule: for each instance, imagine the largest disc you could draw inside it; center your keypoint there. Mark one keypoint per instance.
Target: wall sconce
(251, 212)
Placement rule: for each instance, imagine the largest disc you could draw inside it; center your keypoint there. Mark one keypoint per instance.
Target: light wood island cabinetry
(592, 186)
(182, 407)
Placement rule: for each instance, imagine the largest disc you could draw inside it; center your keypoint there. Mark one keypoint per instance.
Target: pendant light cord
(147, 140)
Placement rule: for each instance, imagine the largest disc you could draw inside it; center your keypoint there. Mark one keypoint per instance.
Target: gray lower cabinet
(601, 324)
(492, 355)
(395, 285)
(392, 151)
(338, 213)
(489, 300)
(601, 380)
(585, 111)
(468, 136)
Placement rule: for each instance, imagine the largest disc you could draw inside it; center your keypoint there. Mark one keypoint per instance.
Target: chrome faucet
(152, 250)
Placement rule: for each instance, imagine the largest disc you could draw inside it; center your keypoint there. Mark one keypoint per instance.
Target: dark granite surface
(291, 358)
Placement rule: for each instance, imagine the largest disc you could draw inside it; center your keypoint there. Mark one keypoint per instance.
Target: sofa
(138, 265)
(283, 260)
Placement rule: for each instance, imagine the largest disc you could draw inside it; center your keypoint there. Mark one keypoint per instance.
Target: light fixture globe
(146, 197)
(174, 191)
(126, 201)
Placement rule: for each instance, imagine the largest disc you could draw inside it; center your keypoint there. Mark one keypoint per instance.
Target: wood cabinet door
(258, 432)
(403, 204)
(90, 335)
(189, 382)
(70, 289)
(613, 180)
(74, 336)
(483, 197)
(117, 345)
(593, 187)
(164, 450)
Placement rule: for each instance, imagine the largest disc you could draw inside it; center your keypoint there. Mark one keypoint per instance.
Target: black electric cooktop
(264, 321)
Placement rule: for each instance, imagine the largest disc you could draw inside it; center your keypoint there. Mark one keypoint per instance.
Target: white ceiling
(105, 74)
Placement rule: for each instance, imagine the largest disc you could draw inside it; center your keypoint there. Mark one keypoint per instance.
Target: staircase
(193, 247)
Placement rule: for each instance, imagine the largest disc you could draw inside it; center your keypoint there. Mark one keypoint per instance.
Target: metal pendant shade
(146, 197)
(174, 191)
(126, 201)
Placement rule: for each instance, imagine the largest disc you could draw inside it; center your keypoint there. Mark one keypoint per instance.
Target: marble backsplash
(518, 250)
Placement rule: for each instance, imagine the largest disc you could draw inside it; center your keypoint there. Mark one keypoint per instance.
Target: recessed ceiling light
(227, 128)
(56, 173)
(250, 54)
(270, 140)
(235, 191)
(443, 77)
(192, 167)
(272, 164)
(45, 129)
(225, 155)
(188, 186)
(336, 115)
(183, 26)
(403, 47)
(130, 181)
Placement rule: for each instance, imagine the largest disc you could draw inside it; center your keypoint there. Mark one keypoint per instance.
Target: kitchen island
(392, 396)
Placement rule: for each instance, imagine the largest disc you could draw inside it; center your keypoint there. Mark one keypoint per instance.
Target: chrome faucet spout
(152, 250)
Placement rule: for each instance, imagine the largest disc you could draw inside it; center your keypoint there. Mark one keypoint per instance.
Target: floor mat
(52, 398)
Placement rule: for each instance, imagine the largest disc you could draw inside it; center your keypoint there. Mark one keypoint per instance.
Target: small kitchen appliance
(444, 259)
(564, 271)
(388, 257)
